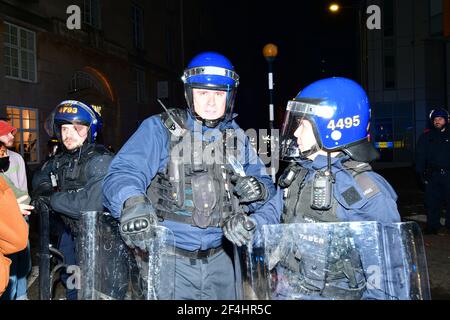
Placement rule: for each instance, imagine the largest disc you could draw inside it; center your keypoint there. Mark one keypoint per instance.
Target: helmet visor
(288, 141)
(211, 76)
(53, 126)
(49, 124)
(296, 112)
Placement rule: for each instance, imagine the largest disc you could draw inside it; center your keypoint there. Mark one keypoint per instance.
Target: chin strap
(305, 154)
(210, 123)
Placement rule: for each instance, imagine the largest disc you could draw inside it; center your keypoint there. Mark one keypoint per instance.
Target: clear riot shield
(346, 261)
(103, 258)
(251, 273)
(407, 260)
(153, 271)
(110, 270)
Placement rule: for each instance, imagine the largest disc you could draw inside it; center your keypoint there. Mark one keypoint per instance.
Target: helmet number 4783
(344, 123)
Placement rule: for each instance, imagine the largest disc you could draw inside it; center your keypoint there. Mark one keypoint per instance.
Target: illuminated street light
(270, 51)
(334, 7)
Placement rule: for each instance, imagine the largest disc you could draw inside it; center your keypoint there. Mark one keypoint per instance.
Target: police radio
(322, 191)
(173, 123)
(322, 188)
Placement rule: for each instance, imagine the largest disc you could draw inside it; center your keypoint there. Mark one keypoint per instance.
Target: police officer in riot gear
(70, 182)
(325, 138)
(433, 166)
(163, 176)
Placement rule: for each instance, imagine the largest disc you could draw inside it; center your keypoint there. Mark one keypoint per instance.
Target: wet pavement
(411, 207)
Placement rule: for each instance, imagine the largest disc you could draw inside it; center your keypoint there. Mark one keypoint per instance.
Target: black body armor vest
(297, 197)
(71, 168)
(71, 173)
(194, 192)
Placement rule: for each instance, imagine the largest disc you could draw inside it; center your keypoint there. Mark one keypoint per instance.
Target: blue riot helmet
(339, 112)
(212, 71)
(74, 112)
(439, 112)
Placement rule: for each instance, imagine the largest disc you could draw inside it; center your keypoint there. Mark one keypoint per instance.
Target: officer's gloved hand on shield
(239, 229)
(40, 199)
(137, 218)
(41, 203)
(248, 189)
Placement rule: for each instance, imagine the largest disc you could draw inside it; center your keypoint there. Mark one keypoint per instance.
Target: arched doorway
(91, 86)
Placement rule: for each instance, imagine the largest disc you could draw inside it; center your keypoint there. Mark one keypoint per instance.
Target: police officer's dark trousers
(210, 278)
(67, 248)
(437, 193)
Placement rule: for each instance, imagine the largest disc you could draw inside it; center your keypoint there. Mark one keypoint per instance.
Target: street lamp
(334, 7)
(270, 52)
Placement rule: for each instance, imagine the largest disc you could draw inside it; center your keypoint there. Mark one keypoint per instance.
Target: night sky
(312, 44)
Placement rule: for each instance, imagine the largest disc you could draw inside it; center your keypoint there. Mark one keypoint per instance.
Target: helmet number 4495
(344, 123)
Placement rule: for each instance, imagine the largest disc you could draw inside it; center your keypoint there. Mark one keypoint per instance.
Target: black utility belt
(164, 215)
(197, 254)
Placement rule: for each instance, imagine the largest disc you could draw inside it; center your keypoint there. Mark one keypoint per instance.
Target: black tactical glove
(248, 189)
(136, 220)
(239, 229)
(41, 203)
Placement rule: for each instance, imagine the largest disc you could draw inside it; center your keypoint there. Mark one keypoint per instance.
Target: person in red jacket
(13, 229)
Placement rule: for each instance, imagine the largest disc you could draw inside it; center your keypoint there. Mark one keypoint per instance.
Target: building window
(137, 18)
(436, 14)
(84, 81)
(389, 71)
(27, 136)
(19, 53)
(389, 63)
(169, 47)
(139, 81)
(91, 13)
(388, 18)
(162, 90)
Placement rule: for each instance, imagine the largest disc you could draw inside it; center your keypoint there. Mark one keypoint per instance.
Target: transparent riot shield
(102, 257)
(110, 270)
(153, 271)
(45, 283)
(345, 261)
(251, 273)
(407, 261)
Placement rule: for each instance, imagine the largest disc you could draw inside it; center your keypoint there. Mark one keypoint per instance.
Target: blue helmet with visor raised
(211, 71)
